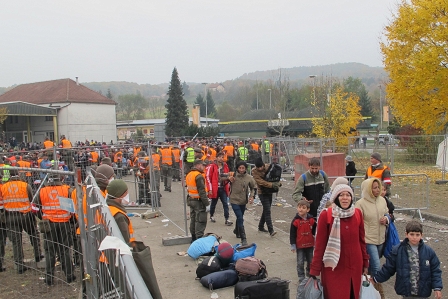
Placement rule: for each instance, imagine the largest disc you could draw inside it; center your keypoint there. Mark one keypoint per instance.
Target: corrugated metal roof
(26, 109)
(55, 91)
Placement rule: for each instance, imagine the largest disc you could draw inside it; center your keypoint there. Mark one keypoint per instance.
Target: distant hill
(370, 76)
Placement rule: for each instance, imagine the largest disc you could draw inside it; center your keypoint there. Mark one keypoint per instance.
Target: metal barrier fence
(399, 152)
(116, 275)
(40, 245)
(39, 258)
(409, 192)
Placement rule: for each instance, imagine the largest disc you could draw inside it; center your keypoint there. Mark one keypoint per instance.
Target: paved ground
(176, 274)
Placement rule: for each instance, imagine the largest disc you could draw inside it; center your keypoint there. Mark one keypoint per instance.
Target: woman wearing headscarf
(340, 255)
(241, 193)
(374, 210)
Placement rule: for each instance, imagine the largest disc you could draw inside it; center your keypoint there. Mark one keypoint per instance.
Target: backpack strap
(303, 177)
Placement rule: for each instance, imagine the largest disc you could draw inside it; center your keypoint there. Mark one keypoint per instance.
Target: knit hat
(241, 163)
(259, 162)
(376, 156)
(106, 160)
(116, 188)
(338, 190)
(339, 181)
(348, 158)
(102, 175)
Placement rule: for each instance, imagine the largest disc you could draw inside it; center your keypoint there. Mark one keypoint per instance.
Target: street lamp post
(270, 98)
(205, 98)
(314, 86)
(381, 109)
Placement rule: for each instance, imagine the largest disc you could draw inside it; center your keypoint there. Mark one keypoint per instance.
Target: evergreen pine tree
(210, 104)
(186, 89)
(109, 94)
(200, 101)
(177, 113)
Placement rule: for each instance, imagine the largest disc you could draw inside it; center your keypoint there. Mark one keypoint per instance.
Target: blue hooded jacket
(398, 262)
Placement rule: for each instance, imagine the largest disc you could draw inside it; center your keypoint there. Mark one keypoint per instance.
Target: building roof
(26, 109)
(154, 121)
(55, 91)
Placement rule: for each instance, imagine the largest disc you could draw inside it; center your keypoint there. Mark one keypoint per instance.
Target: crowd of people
(332, 235)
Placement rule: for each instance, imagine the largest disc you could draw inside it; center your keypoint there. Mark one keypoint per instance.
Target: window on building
(16, 119)
(48, 118)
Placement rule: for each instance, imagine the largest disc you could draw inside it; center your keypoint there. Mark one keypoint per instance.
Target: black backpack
(209, 265)
(273, 174)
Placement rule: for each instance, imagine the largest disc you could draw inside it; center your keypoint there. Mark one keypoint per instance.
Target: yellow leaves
(3, 116)
(342, 115)
(415, 56)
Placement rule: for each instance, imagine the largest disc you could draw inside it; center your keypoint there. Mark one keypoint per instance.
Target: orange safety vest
(212, 152)
(167, 156)
(94, 156)
(66, 143)
(48, 144)
(229, 149)
(25, 164)
(15, 197)
(1, 199)
(114, 211)
(118, 156)
(176, 154)
(156, 161)
(378, 173)
(51, 207)
(255, 146)
(136, 150)
(84, 206)
(271, 146)
(191, 183)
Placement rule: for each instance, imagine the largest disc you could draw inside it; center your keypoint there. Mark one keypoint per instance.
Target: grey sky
(208, 41)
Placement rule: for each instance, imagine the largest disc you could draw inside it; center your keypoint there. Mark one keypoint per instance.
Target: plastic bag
(367, 290)
(310, 288)
(392, 238)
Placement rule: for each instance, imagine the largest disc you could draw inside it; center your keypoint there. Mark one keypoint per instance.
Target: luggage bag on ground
(209, 265)
(220, 279)
(268, 288)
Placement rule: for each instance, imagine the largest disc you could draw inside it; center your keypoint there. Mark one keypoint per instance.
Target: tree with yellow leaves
(339, 118)
(416, 58)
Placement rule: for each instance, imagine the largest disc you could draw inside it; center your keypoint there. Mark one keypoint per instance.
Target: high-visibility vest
(191, 183)
(155, 158)
(167, 156)
(118, 156)
(1, 200)
(15, 197)
(243, 153)
(229, 149)
(114, 211)
(271, 146)
(25, 164)
(48, 144)
(94, 156)
(6, 175)
(66, 143)
(84, 206)
(212, 152)
(190, 154)
(136, 150)
(267, 146)
(255, 146)
(377, 173)
(176, 154)
(51, 207)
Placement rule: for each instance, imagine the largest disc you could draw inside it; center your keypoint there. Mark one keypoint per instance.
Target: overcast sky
(208, 41)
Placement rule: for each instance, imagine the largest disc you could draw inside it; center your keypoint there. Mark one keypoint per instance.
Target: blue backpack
(392, 238)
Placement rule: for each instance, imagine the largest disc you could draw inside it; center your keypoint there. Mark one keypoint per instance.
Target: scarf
(333, 249)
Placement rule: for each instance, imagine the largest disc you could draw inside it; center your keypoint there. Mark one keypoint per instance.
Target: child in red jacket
(301, 236)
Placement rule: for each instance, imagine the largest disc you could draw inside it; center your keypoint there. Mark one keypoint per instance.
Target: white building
(55, 108)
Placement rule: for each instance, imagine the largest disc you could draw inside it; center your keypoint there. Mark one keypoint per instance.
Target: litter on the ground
(182, 253)
(280, 221)
(165, 220)
(443, 230)
(148, 221)
(214, 295)
(166, 224)
(287, 205)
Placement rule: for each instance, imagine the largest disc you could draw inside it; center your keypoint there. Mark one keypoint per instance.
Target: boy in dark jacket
(416, 264)
(301, 237)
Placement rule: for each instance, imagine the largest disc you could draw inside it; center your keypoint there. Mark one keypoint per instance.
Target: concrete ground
(176, 274)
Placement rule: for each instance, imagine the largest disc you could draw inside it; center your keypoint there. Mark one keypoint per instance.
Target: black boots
(236, 231)
(193, 238)
(243, 236)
